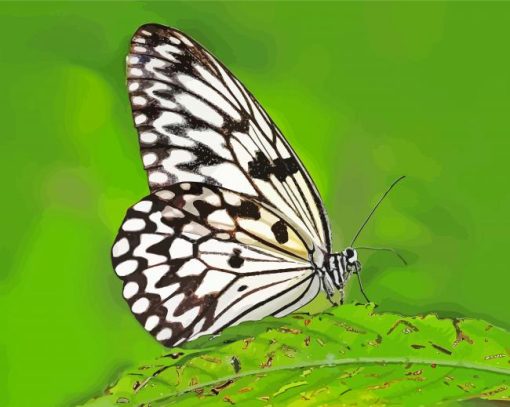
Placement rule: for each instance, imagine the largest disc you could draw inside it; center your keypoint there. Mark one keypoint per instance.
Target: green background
(365, 92)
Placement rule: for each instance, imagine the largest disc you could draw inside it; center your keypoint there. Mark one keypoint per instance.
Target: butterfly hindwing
(196, 258)
(197, 123)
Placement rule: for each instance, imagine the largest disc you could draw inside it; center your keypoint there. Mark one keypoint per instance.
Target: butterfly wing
(196, 258)
(198, 123)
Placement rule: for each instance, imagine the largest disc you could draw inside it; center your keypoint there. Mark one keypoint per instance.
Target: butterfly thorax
(339, 269)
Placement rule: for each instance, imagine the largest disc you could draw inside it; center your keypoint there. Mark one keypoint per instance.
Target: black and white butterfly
(234, 228)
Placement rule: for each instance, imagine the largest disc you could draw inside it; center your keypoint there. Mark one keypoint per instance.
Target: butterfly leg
(332, 301)
(342, 296)
(328, 287)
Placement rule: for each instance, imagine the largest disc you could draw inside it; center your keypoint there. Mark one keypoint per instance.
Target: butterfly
(234, 228)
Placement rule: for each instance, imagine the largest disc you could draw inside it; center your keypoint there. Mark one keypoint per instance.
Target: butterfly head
(343, 265)
(350, 261)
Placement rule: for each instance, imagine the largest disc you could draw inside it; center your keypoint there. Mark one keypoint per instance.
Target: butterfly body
(234, 228)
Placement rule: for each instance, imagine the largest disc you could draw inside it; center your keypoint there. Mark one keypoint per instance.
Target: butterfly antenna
(361, 287)
(384, 249)
(376, 206)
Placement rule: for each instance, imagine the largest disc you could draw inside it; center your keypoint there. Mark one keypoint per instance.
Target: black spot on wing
(247, 209)
(281, 168)
(235, 260)
(204, 157)
(260, 167)
(280, 232)
(161, 248)
(204, 208)
(167, 94)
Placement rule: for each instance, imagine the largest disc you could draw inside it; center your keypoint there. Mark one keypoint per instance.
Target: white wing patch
(189, 273)
(198, 123)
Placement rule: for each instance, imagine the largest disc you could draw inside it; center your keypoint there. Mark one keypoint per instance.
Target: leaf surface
(351, 355)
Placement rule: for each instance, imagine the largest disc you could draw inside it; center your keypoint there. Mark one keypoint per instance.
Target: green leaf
(350, 355)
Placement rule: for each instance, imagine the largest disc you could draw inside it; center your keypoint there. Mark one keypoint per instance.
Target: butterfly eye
(349, 254)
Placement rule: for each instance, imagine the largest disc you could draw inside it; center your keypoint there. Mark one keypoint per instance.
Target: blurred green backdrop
(365, 92)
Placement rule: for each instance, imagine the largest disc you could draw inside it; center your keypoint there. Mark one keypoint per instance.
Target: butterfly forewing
(197, 123)
(196, 258)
